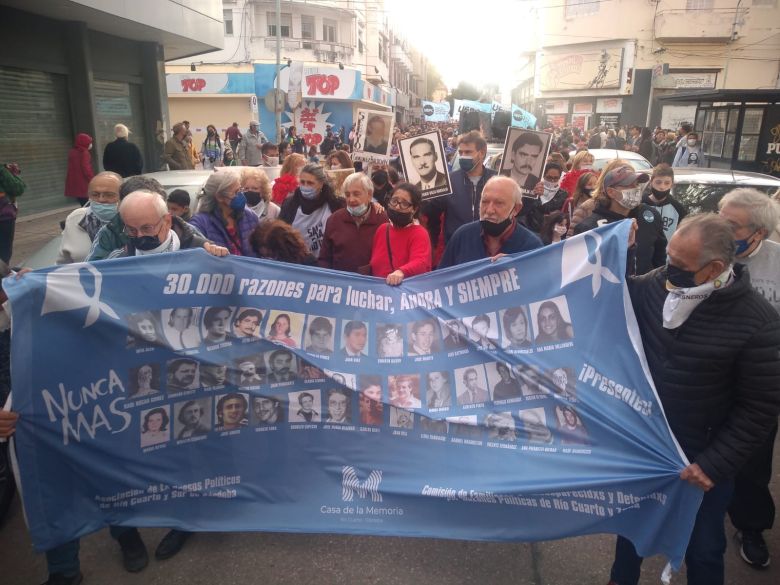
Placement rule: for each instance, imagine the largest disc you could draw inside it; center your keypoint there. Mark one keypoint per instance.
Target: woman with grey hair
(349, 232)
(257, 189)
(311, 204)
(223, 216)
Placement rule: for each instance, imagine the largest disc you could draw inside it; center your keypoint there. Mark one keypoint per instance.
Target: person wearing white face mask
(83, 224)
(310, 206)
(619, 196)
(349, 232)
(546, 198)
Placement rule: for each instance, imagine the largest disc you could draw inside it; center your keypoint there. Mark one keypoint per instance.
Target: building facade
(350, 60)
(68, 68)
(610, 62)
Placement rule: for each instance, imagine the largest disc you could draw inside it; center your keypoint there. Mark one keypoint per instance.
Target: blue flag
(522, 118)
(491, 401)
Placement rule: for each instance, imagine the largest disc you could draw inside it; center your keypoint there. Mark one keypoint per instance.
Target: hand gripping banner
(491, 401)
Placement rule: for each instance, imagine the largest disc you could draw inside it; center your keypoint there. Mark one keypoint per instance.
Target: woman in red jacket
(401, 248)
(80, 171)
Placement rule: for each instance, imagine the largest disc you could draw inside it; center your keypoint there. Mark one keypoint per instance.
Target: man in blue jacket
(496, 232)
(467, 183)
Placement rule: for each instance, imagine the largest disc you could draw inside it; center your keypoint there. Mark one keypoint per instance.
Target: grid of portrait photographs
(290, 370)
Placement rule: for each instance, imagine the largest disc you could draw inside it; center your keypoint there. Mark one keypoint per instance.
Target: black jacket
(718, 374)
(123, 158)
(534, 211)
(650, 238)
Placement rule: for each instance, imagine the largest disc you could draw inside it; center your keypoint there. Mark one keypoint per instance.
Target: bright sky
(465, 40)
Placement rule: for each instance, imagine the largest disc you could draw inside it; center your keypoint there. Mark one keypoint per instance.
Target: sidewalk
(303, 559)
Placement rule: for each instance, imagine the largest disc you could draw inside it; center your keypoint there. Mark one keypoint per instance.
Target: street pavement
(325, 559)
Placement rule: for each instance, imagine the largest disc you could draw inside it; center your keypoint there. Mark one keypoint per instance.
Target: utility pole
(277, 89)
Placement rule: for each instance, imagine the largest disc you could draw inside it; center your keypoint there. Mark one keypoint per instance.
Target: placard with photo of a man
(425, 164)
(267, 410)
(570, 426)
(525, 152)
(373, 132)
(144, 380)
(305, 406)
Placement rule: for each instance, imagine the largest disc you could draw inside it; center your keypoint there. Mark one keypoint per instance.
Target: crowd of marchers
(705, 288)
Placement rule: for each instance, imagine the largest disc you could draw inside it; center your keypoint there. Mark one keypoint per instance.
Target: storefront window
(748, 143)
(714, 132)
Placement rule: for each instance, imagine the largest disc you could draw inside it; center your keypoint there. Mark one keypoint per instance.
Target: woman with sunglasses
(402, 247)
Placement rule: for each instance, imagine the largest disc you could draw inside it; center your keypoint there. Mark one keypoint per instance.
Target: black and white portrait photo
(144, 380)
(401, 418)
(525, 152)
(471, 385)
(246, 324)
(339, 403)
(180, 326)
(532, 425)
(232, 411)
(213, 375)
(552, 321)
(319, 335)
(570, 426)
(192, 418)
(182, 374)
(425, 165)
(144, 330)
(267, 410)
(562, 381)
(217, 324)
(249, 370)
(155, 426)
(305, 407)
(423, 337)
(500, 426)
(389, 340)
(281, 367)
(374, 131)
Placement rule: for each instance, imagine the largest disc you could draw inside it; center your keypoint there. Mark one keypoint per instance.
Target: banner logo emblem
(351, 484)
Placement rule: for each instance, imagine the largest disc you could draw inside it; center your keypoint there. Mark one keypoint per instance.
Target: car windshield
(701, 197)
(639, 164)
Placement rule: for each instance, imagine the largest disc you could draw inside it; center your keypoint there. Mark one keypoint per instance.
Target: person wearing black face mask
(497, 231)
(257, 190)
(223, 216)
(659, 198)
(462, 206)
(401, 248)
(151, 229)
(712, 353)
(382, 187)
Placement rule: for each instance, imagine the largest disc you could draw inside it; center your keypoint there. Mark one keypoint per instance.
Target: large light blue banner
(499, 401)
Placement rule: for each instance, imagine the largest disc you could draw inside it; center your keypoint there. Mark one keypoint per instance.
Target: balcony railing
(695, 26)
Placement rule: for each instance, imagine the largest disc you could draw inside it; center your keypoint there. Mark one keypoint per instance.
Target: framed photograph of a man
(373, 132)
(525, 152)
(425, 164)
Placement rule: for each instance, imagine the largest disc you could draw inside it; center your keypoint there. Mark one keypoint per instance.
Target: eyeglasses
(144, 230)
(401, 204)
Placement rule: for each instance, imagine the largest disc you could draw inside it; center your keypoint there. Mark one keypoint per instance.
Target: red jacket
(411, 247)
(80, 171)
(347, 246)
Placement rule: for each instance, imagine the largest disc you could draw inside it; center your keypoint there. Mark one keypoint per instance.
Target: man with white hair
(152, 229)
(349, 232)
(754, 216)
(711, 344)
(121, 156)
(497, 231)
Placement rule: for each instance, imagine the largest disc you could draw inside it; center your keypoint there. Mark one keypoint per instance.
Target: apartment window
(581, 7)
(748, 140)
(227, 18)
(699, 4)
(285, 24)
(307, 30)
(329, 30)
